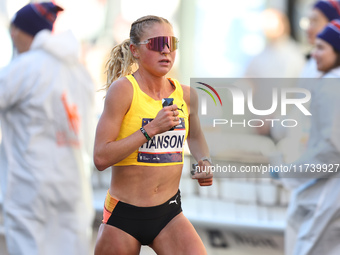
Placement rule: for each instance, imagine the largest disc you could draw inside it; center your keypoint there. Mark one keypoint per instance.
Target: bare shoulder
(117, 103)
(190, 96)
(120, 93)
(122, 86)
(187, 90)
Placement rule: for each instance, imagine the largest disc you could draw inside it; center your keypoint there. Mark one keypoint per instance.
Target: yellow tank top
(163, 149)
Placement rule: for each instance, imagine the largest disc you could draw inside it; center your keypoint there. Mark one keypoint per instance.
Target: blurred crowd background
(218, 38)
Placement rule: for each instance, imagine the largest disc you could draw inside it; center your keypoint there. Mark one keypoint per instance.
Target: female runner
(143, 142)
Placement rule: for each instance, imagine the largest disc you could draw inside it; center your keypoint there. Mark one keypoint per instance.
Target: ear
(134, 50)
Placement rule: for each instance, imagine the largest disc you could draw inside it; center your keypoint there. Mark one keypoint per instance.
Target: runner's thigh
(114, 241)
(178, 237)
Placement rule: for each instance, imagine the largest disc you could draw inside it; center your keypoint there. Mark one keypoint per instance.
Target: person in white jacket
(291, 142)
(46, 113)
(313, 225)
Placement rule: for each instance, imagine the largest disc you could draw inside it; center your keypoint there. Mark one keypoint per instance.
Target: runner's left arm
(196, 140)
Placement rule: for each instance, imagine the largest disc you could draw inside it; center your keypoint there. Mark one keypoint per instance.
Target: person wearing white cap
(46, 106)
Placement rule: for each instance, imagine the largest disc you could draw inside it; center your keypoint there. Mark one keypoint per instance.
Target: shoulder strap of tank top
(178, 86)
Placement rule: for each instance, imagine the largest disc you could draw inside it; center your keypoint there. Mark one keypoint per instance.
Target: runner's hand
(166, 119)
(204, 175)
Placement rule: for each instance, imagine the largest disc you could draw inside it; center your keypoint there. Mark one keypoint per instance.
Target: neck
(157, 87)
(25, 42)
(26, 46)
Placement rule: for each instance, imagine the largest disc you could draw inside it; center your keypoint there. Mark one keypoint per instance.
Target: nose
(12, 31)
(314, 53)
(166, 49)
(311, 34)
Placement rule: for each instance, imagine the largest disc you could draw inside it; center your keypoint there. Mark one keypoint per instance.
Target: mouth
(166, 61)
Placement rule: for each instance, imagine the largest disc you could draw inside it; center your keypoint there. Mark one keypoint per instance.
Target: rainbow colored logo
(209, 93)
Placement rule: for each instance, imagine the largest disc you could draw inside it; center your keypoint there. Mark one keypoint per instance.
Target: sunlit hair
(121, 60)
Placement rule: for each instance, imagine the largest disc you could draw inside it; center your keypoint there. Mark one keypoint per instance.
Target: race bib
(163, 148)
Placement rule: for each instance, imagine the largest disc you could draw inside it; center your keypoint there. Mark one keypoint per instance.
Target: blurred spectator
(314, 211)
(46, 105)
(319, 16)
(292, 142)
(281, 57)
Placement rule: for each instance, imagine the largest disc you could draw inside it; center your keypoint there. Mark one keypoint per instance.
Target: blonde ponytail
(120, 63)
